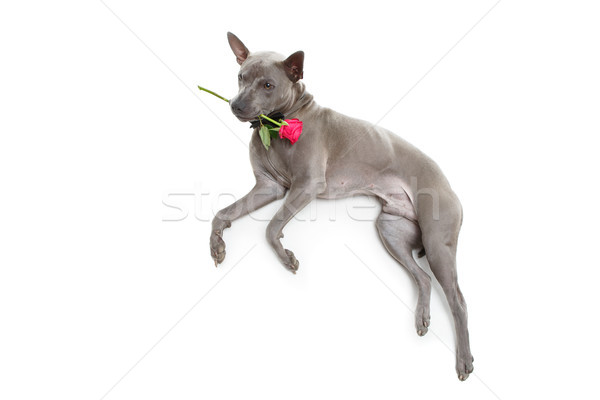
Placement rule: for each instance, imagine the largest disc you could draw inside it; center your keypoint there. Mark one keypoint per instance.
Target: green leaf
(274, 132)
(265, 136)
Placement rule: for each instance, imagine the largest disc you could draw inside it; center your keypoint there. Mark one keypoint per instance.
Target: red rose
(292, 130)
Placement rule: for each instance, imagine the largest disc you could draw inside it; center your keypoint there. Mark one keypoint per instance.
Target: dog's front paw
(422, 319)
(291, 263)
(464, 366)
(217, 247)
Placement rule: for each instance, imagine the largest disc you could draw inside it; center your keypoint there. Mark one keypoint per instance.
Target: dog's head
(267, 81)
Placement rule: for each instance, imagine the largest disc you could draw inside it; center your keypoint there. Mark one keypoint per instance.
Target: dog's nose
(237, 107)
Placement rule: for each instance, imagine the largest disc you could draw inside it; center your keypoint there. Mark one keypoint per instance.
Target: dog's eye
(240, 77)
(268, 86)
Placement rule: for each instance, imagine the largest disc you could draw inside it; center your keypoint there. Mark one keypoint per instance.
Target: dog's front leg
(297, 199)
(264, 192)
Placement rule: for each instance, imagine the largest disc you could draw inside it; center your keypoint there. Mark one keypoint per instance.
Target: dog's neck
(300, 100)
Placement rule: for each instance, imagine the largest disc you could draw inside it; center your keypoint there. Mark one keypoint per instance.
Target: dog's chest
(276, 161)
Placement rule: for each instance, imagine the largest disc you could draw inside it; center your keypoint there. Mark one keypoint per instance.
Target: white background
(96, 132)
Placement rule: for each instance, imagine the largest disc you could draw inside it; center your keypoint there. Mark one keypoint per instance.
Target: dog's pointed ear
(294, 66)
(241, 52)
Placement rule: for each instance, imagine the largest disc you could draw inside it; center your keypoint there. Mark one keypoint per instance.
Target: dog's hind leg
(401, 236)
(440, 223)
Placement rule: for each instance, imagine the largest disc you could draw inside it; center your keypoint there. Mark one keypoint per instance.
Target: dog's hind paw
(217, 248)
(292, 264)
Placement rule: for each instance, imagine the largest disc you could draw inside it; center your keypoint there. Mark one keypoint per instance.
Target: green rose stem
(213, 93)
(265, 131)
(223, 98)
(273, 121)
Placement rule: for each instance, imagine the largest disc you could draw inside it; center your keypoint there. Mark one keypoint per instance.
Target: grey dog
(338, 156)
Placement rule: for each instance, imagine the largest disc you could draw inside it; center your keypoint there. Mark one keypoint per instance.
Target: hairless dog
(338, 156)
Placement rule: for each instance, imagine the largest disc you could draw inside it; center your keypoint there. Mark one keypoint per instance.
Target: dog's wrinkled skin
(339, 156)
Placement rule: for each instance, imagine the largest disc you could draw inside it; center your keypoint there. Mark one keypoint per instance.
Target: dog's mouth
(247, 118)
